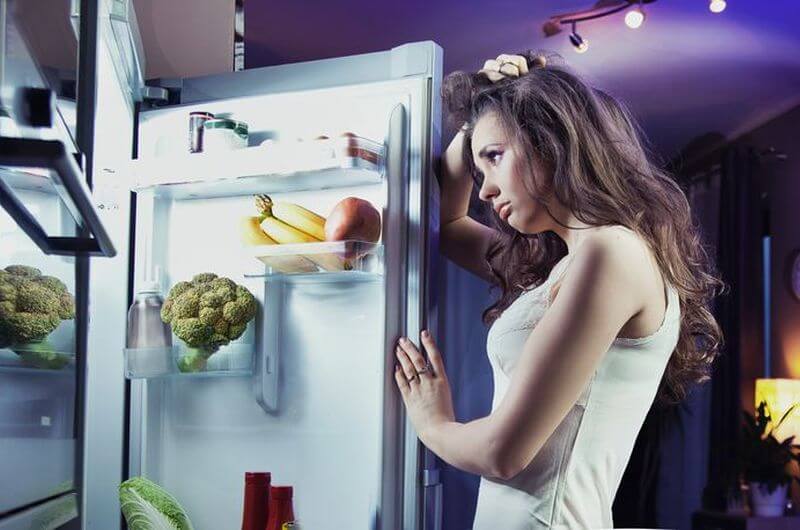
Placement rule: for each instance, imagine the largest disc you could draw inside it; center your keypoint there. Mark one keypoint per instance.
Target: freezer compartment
(356, 257)
(234, 359)
(274, 167)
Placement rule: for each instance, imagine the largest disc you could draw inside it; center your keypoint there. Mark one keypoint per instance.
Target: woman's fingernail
(425, 333)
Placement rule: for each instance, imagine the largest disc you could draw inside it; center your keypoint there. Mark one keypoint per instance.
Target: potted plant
(765, 461)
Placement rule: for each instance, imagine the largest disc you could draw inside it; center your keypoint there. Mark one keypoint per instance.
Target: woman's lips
(505, 211)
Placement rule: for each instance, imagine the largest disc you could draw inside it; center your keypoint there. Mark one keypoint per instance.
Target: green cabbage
(148, 506)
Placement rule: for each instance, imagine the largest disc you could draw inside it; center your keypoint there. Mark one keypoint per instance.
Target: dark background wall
(782, 180)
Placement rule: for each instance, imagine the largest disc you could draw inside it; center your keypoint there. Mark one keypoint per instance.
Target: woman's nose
(487, 191)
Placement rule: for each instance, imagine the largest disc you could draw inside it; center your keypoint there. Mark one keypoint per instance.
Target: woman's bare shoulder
(630, 252)
(636, 258)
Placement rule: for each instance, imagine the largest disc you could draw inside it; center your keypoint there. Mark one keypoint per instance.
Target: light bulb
(634, 18)
(579, 43)
(717, 6)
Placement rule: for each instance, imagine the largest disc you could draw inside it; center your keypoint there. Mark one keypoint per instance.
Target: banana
(283, 233)
(251, 233)
(295, 216)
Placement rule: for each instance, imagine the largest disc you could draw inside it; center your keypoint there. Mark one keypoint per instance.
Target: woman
(605, 289)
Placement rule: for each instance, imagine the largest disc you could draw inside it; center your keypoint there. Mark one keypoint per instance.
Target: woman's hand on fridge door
(423, 385)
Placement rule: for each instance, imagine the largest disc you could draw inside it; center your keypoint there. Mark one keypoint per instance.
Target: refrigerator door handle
(433, 499)
(68, 181)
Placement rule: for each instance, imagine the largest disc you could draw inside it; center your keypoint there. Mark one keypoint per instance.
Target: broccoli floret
(23, 271)
(31, 306)
(206, 313)
(203, 277)
(192, 331)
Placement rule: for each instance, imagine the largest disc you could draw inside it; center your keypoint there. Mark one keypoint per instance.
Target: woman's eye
(494, 157)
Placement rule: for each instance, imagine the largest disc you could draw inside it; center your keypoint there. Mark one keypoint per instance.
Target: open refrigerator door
(302, 385)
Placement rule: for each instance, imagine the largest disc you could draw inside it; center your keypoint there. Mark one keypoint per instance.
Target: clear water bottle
(149, 340)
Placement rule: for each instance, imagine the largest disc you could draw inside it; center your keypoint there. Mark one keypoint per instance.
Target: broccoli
(206, 313)
(31, 307)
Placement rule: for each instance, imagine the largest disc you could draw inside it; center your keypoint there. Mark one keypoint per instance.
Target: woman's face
(503, 184)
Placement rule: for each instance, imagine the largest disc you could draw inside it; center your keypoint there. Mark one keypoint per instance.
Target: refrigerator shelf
(272, 168)
(31, 362)
(235, 359)
(338, 259)
(31, 179)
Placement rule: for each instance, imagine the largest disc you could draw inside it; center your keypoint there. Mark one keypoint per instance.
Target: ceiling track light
(635, 17)
(578, 42)
(717, 6)
(602, 8)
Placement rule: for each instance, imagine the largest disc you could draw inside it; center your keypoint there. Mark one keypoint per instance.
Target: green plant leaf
(141, 515)
(147, 506)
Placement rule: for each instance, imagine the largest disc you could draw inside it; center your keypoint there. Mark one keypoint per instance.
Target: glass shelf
(21, 360)
(273, 168)
(338, 259)
(31, 179)
(235, 359)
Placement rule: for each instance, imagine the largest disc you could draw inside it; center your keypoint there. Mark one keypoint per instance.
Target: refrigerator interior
(196, 434)
(37, 402)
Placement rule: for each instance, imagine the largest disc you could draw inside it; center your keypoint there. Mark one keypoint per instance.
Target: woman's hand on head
(504, 66)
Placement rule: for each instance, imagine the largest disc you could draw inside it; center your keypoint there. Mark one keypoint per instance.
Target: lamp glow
(717, 6)
(780, 395)
(634, 18)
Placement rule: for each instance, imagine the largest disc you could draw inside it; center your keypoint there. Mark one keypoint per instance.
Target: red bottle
(280, 507)
(256, 500)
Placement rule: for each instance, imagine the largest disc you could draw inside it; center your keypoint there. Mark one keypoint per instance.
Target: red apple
(353, 218)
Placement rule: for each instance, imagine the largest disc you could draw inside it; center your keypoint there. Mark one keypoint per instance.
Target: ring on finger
(413, 377)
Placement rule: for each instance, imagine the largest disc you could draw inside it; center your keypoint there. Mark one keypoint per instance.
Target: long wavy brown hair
(603, 172)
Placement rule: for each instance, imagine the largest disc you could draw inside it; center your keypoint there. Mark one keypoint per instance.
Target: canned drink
(196, 121)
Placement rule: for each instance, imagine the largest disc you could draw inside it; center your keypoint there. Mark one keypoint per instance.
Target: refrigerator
(307, 392)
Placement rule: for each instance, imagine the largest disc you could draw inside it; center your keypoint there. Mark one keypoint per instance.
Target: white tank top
(571, 482)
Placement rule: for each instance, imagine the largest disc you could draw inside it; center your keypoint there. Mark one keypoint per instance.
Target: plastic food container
(325, 257)
(235, 358)
(222, 134)
(178, 360)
